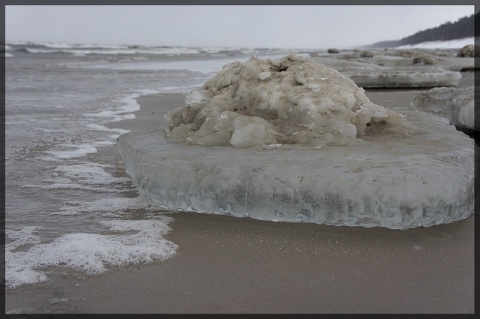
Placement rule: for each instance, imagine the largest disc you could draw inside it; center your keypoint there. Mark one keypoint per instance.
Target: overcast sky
(225, 26)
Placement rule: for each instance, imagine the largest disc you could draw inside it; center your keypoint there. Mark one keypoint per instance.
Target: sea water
(69, 203)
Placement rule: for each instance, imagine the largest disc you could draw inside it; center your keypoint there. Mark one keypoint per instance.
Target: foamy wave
(181, 89)
(111, 116)
(23, 236)
(34, 50)
(104, 205)
(90, 173)
(92, 253)
(82, 49)
(84, 175)
(60, 45)
(78, 151)
(99, 52)
(77, 52)
(20, 43)
(126, 106)
(109, 50)
(77, 187)
(170, 51)
(107, 142)
(103, 128)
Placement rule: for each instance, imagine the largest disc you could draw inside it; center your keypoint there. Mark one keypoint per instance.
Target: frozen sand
(238, 265)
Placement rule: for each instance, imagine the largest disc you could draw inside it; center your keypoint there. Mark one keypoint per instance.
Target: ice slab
(395, 182)
(389, 71)
(407, 77)
(455, 104)
(457, 64)
(392, 61)
(342, 65)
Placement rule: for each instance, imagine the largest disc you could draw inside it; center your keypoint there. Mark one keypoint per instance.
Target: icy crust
(409, 77)
(293, 100)
(455, 104)
(421, 180)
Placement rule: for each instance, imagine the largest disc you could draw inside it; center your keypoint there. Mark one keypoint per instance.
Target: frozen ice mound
(308, 146)
(455, 104)
(289, 101)
(420, 180)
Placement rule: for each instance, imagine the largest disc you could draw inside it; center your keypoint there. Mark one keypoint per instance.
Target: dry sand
(240, 265)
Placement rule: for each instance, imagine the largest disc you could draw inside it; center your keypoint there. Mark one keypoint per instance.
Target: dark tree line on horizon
(463, 28)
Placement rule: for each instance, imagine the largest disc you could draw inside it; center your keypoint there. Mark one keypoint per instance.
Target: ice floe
(374, 169)
(455, 104)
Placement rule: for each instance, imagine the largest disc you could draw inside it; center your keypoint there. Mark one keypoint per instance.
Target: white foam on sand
(125, 242)
(23, 236)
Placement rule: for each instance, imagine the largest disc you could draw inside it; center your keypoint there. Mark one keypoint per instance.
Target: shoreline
(240, 265)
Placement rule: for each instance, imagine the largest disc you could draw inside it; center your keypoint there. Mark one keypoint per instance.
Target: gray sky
(225, 26)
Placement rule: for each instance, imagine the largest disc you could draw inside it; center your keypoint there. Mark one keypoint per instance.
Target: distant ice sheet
(452, 44)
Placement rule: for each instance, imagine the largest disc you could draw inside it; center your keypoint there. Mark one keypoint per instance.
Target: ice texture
(455, 104)
(396, 182)
(292, 100)
(407, 77)
(399, 71)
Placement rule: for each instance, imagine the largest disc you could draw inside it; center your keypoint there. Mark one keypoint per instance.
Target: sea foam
(69, 151)
(103, 205)
(126, 242)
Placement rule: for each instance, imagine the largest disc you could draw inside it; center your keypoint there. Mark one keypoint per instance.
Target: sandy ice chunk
(252, 135)
(466, 116)
(264, 75)
(406, 77)
(455, 104)
(195, 98)
(292, 100)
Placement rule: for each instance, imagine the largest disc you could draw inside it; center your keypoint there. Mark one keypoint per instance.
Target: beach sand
(240, 265)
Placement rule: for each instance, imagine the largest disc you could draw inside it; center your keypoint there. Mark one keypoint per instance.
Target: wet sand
(240, 265)
(232, 265)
